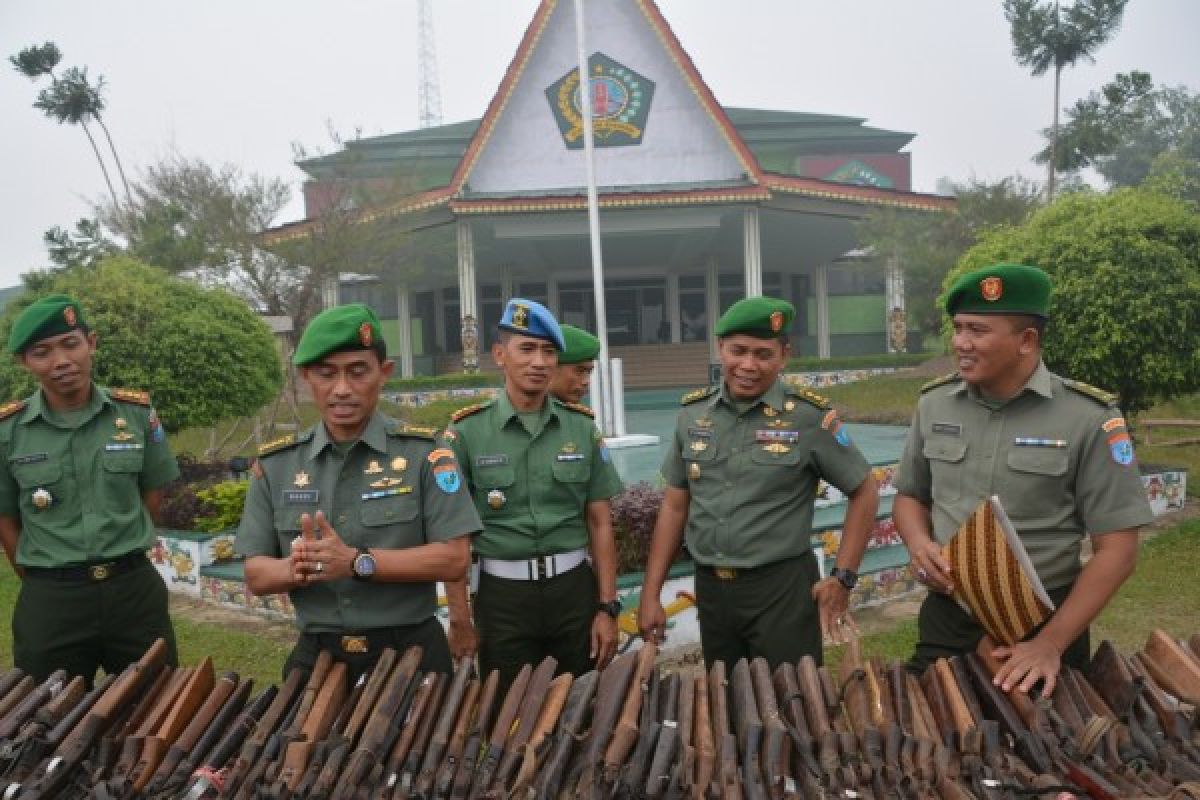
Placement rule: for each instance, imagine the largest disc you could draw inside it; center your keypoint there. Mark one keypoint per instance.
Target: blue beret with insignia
(532, 319)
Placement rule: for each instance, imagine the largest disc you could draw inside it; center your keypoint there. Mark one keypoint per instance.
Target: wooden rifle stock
(315, 726)
(500, 730)
(11, 722)
(458, 740)
(774, 742)
(466, 766)
(572, 721)
(191, 697)
(791, 703)
(625, 734)
(633, 772)
(385, 763)
(658, 775)
(960, 714)
(189, 738)
(440, 740)
(748, 728)
(1172, 666)
(728, 785)
(264, 726)
(416, 752)
(329, 753)
(539, 739)
(9, 681)
(610, 696)
(527, 716)
(703, 738)
(148, 717)
(16, 694)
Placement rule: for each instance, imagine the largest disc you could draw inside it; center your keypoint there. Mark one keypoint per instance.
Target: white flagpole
(603, 400)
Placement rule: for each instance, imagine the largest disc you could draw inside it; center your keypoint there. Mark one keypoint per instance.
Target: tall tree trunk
(117, 159)
(100, 161)
(1053, 137)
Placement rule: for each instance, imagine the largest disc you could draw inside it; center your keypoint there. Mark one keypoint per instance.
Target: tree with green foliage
(927, 245)
(71, 98)
(1125, 312)
(201, 353)
(1048, 37)
(1122, 129)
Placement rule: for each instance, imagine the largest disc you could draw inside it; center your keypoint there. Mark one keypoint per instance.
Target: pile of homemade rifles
(1128, 727)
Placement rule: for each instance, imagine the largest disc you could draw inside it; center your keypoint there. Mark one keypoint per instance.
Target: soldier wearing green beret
(82, 473)
(742, 473)
(358, 517)
(1056, 452)
(573, 375)
(542, 479)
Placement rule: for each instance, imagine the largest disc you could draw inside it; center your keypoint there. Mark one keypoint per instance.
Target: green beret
(349, 327)
(580, 345)
(1001, 289)
(760, 317)
(48, 316)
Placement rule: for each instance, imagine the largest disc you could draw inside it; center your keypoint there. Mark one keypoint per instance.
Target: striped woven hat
(994, 578)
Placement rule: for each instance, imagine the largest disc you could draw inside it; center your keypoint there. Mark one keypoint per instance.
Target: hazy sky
(240, 80)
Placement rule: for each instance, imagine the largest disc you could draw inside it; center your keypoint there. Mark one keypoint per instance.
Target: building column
(329, 292)
(821, 301)
(672, 308)
(404, 326)
(439, 320)
(507, 287)
(752, 251)
(552, 297)
(467, 304)
(896, 323)
(712, 306)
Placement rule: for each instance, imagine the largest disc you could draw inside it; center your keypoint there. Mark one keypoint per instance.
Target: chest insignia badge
(699, 447)
(301, 479)
(496, 499)
(776, 423)
(386, 483)
(704, 422)
(42, 499)
(569, 447)
(790, 405)
(373, 468)
(121, 435)
(769, 412)
(694, 471)
(399, 464)
(777, 448)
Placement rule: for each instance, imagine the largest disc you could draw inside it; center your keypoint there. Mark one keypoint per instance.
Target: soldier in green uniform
(541, 478)
(742, 473)
(82, 472)
(358, 517)
(1056, 452)
(577, 361)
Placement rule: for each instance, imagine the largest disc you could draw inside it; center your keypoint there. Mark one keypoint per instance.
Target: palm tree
(1047, 36)
(71, 99)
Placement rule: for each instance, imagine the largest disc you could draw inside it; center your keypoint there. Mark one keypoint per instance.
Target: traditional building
(700, 205)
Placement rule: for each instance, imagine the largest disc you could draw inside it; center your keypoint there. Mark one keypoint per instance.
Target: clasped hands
(320, 559)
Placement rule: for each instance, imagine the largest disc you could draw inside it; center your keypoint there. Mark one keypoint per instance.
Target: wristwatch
(612, 608)
(846, 577)
(364, 565)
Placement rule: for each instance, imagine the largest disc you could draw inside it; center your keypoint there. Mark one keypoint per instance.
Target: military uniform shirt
(753, 474)
(391, 489)
(95, 464)
(1060, 461)
(531, 479)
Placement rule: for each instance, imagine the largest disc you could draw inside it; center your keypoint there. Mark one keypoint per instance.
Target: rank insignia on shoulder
(463, 413)
(811, 397)
(8, 409)
(130, 396)
(941, 381)
(580, 408)
(282, 443)
(1099, 395)
(697, 394)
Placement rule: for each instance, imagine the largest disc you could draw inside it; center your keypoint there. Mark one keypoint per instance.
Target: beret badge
(991, 288)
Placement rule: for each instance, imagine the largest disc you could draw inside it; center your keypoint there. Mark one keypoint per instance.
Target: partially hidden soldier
(742, 471)
(541, 478)
(82, 473)
(358, 517)
(576, 363)
(1056, 452)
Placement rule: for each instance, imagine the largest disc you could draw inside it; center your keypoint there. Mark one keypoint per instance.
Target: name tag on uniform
(301, 497)
(570, 457)
(791, 437)
(492, 461)
(700, 433)
(32, 458)
(1033, 441)
(117, 446)
(948, 428)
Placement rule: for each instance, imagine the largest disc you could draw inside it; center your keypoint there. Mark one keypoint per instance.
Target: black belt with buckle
(95, 571)
(362, 642)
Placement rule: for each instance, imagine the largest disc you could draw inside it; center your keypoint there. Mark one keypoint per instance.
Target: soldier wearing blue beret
(542, 479)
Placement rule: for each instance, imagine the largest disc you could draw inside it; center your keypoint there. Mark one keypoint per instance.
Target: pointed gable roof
(735, 164)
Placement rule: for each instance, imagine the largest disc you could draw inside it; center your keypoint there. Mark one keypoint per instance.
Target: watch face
(364, 565)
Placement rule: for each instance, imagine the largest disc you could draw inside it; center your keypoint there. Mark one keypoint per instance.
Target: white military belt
(534, 569)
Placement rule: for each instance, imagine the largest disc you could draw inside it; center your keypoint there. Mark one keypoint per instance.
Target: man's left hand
(833, 602)
(1026, 663)
(604, 639)
(325, 559)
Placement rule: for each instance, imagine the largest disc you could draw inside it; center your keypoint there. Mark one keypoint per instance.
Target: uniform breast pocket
(496, 476)
(776, 455)
(945, 457)
(121, 470)
(42, 487)
(287, 518)
(1037, 480)
(571, 471)
(389, 522)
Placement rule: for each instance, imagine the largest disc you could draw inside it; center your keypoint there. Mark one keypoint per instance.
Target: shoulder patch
(282, 443)
(130, 396)
(942, 381)
(463, 413)
(8, 409)
(697, 394)
(1099, 395)
(810, 397)
(419, 431)
(579, 408)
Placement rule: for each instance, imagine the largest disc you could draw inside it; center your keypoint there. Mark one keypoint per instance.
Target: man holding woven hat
(82, 473)
(542, 479)
(742, 473)
(573, 375)
(1055, 451)
(358, 517)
